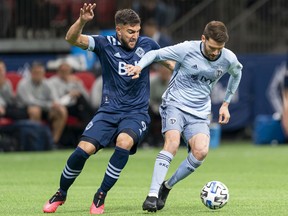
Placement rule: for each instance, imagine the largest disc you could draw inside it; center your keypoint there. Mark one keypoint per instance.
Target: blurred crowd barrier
(255, 26)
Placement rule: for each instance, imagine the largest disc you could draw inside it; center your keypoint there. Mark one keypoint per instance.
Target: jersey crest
(140, 52)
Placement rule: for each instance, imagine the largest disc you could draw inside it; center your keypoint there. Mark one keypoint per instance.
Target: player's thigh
(136, 127)
(199, 141)
(172, 119)
(101, 129)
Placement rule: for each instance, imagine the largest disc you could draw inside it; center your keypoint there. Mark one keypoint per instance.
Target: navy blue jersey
(120, 92)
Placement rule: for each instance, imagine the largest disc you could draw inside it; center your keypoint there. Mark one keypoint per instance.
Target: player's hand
(86, 12)
(224, 114)
(133, 71)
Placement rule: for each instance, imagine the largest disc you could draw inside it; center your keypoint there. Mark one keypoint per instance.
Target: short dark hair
(217, 31)
(127, 16)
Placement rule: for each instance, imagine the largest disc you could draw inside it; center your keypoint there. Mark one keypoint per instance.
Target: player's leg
(199, 149)
(161, 166)
(199, 145)
(72, 170)
(116, 163)
(172, 124)
(91, 138)
(126, 143)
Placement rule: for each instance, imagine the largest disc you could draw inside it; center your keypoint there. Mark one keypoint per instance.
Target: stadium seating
(87, 78)
(14, 78)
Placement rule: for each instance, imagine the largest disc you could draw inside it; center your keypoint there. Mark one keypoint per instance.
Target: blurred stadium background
(35, 30)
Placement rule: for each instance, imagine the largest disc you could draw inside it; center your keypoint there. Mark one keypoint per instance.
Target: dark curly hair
(127, 16)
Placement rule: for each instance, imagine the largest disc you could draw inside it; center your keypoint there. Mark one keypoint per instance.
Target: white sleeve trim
(91, 44)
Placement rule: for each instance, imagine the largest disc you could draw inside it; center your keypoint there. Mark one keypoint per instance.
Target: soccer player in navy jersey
(186, 104)
(123, 115)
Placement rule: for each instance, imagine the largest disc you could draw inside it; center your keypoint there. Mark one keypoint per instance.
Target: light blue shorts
(188, 125)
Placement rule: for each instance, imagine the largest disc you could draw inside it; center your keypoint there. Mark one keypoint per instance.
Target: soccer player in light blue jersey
(123, 115)
(186, 104)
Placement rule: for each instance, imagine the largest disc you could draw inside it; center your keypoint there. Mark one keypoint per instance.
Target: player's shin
(73, 169)
(187, 167)
(161, 167)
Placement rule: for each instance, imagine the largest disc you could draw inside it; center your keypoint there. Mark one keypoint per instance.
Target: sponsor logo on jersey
(122, 69)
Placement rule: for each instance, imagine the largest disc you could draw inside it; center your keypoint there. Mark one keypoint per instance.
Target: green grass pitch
(257, 178)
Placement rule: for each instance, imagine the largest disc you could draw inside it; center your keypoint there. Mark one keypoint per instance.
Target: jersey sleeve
(176, 53)
(95, 43)
(235, 72)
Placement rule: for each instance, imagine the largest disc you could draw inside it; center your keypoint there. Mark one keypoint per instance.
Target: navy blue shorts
(104, 128)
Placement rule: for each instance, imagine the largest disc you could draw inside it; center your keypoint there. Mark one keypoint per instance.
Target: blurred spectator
(96, 93)
(155, 9)
(158, 84)
(151, 29)
(34, 93)
(69, 91)
(8, 106)
(285, 103)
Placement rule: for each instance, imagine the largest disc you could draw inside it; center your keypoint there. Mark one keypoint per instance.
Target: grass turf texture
(257, 178)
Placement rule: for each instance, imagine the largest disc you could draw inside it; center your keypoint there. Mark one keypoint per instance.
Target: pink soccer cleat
(56, 200)
(97, 206)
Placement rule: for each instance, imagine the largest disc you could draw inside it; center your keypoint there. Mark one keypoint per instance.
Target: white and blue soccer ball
(214, 195)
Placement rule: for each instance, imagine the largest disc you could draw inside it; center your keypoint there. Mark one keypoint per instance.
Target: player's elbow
(70, 40)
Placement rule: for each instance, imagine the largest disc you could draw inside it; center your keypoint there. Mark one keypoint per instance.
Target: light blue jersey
(195, 75)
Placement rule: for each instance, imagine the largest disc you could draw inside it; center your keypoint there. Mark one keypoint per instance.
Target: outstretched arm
(168, 64)
(74, 35)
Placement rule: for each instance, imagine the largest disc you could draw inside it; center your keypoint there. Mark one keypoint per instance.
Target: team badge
(172, 121)
(140, 52)
(219, 72)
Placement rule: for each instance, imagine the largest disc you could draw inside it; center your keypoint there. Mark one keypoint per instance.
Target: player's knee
(124, 141)
(200, 154)
(200, 146)
(89, 148)
(171, 146)
(200, 150)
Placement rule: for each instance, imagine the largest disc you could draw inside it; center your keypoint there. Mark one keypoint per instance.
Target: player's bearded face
(128, 35)
(212, 49)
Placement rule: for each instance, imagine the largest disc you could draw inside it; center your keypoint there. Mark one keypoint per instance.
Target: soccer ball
(214, 195)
